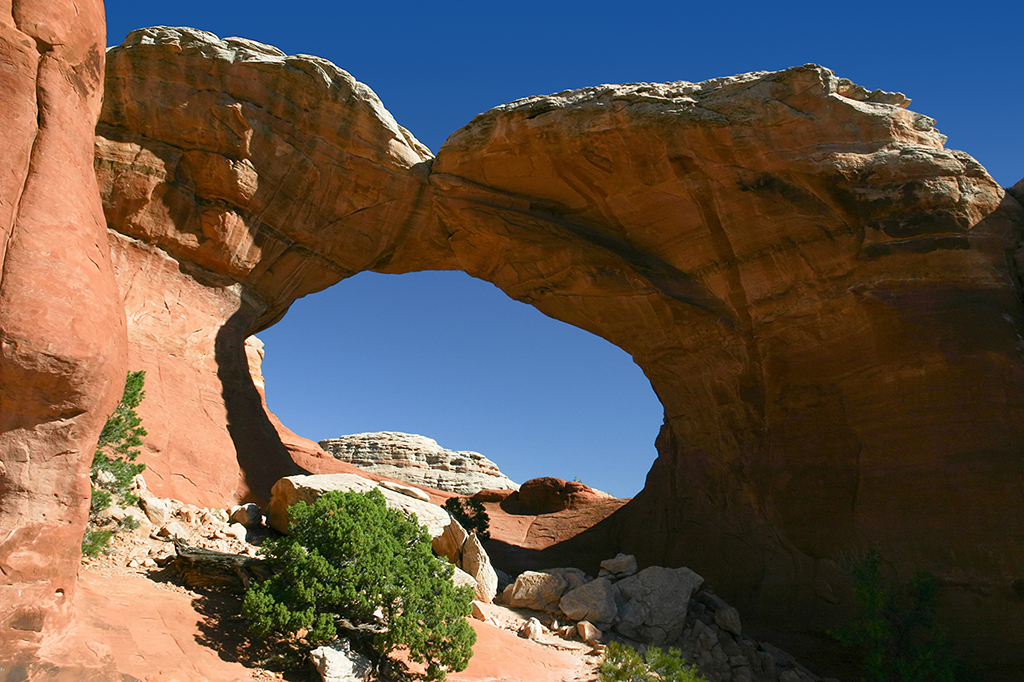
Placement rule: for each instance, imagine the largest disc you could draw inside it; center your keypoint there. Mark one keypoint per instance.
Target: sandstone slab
(308, 489)
(594, 602)
(538, 591)
(476, 562)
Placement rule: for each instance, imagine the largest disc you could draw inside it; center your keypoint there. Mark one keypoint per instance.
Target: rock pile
(419, 460)
(656, 605)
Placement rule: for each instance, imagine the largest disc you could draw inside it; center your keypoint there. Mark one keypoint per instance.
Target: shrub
(895, 630)
(351, 563)
(471, 515)
(625, 664)
(113, 467)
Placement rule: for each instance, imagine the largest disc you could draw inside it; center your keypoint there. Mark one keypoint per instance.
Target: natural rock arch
(825, 300)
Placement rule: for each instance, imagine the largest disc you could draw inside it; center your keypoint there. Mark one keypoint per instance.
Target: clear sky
(452, 358)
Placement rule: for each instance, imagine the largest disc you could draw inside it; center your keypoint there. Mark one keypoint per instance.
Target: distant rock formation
(419, 460)
(549, 494)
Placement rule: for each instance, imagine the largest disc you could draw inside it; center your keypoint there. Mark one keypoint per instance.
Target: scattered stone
(450, 542)
(189, 514)
(158, 510)
(460, 577)
(245, 514)
(532, 629)
(337, 662)
(593, 602)
(588, 632)
(622, 566)
(237, 531)
(729, 620)
(171, 530)
(478, 610)
(573, 577)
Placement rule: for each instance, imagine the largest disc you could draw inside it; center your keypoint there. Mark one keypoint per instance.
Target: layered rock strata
(419, 460)
(824, 298)
(62, 328)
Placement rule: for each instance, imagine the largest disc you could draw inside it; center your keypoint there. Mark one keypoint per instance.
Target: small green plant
(625, 664)
(470, 514)
(350, 565)
(896, 631)
(96, 540)
(113, 465)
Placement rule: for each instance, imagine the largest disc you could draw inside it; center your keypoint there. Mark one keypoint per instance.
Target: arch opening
(443, 355)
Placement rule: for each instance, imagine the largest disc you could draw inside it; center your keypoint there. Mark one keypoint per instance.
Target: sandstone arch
(808, 278)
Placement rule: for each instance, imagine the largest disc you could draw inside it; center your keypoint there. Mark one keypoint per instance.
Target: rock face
(825, 299)
(62, 328)
(419, 460)
(208, 249)
(811, 282)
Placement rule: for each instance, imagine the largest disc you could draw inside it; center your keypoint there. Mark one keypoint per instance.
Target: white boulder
(337, 662)
(291, 489)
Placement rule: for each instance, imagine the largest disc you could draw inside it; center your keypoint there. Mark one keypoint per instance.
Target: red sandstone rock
(549, 494)
(62, 329)
(824, 298)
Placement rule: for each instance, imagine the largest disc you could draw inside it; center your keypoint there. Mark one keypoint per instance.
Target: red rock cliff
(62, 328)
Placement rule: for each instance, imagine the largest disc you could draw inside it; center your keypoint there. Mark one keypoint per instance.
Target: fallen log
(206, 568)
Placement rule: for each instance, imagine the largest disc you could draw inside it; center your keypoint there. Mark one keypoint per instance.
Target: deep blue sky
(452, 358)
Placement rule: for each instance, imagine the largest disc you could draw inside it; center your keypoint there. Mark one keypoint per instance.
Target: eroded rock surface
(236, 179)
(825, 299)
(420, 460)
(62, 328)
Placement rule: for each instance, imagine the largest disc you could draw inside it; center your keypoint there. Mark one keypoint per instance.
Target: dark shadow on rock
(262, 457)
(585, 551)
(225, 630)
